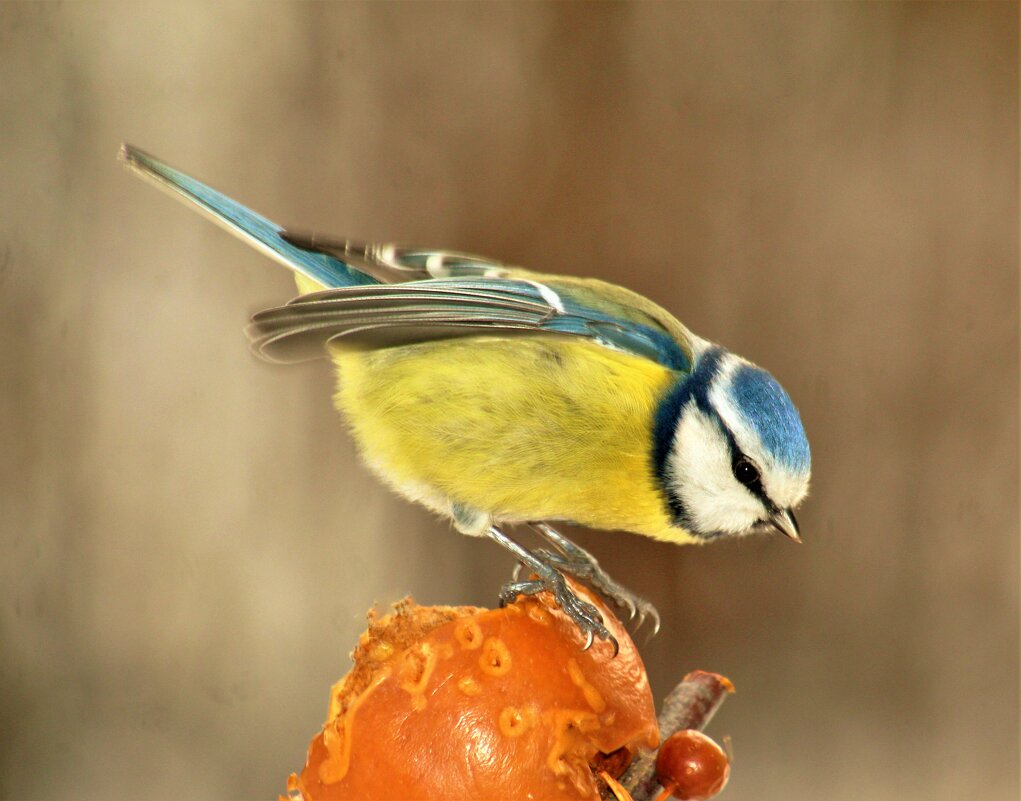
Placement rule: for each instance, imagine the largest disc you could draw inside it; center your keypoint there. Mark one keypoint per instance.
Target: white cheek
(787, 491)
(701, 475)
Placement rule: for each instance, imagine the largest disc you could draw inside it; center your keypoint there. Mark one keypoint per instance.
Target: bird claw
(647, 611)
(582, 565)
(583, 614)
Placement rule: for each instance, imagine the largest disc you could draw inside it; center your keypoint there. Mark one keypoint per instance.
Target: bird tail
(322, 268)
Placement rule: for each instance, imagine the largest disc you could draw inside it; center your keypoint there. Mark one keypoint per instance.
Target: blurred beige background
(189, 545)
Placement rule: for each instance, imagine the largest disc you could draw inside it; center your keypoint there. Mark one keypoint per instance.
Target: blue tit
(498, 396)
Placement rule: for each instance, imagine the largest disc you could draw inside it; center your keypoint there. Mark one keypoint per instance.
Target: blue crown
(769, 409)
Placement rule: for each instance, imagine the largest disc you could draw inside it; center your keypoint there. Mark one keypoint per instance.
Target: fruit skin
(692, 766)
(495, 704)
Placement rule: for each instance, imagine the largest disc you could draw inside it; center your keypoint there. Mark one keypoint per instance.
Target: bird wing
(387, 315)
(391, 263)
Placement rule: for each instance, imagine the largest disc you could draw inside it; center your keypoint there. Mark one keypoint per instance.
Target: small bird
(497, 396)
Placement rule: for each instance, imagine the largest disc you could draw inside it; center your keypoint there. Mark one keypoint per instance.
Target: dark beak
(786, 523)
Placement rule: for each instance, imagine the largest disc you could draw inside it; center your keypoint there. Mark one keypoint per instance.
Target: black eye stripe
(751, 480)
(737, 458)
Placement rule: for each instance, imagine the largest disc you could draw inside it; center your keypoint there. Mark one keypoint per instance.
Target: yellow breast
(519, 428)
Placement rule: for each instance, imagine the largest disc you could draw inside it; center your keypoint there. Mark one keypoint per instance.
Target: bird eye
(746, 472)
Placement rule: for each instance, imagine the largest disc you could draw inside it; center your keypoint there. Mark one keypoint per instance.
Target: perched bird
(497, 396)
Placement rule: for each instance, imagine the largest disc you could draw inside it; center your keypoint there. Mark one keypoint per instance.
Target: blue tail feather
(259, 232)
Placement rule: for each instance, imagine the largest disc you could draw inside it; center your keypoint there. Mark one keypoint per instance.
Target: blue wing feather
(468, 302)
(245, 223)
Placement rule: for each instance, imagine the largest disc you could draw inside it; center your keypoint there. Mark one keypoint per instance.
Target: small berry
(691, 766)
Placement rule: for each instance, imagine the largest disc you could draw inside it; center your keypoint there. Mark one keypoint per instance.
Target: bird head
(731, 452)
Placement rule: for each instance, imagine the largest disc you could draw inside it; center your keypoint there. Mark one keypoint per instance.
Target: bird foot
(584, 615)
(579, 563)
(587, 569)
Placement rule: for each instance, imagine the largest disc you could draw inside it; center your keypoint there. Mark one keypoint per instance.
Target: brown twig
(690, 705)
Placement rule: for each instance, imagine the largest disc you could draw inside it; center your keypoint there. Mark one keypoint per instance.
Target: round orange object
(691, 766)
(452, 704)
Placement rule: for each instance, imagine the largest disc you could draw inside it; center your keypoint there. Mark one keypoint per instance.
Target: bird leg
(578, 562)
(549, 579)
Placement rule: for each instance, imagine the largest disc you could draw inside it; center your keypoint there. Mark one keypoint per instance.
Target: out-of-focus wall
(189, 544)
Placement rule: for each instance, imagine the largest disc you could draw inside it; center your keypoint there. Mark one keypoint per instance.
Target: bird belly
(517, 428)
